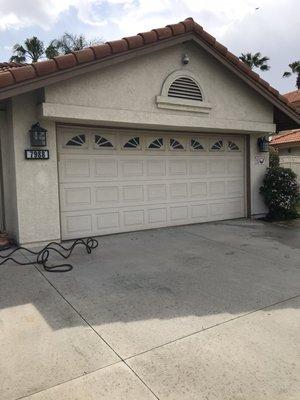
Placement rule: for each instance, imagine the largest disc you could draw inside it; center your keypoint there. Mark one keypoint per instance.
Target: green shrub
(274, 158)
(280, 192)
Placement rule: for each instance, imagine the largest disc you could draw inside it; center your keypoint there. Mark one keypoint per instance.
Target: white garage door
(124, 181)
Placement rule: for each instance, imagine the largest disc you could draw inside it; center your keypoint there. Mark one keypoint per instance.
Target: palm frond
(286, 74)
(265, 67)
(17, 59)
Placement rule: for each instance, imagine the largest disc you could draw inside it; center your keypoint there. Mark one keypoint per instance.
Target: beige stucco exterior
(122, 95)
(289, 156)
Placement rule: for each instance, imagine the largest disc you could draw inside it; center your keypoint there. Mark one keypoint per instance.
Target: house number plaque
(37, 154)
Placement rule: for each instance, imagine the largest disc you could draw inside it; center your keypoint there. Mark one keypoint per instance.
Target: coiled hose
(42, 256)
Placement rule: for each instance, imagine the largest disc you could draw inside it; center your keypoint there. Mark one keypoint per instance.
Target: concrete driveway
(206, 311)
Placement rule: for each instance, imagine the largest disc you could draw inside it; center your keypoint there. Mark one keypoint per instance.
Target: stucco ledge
(157, 120)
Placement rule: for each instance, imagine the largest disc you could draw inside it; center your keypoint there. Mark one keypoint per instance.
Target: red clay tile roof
(293, 96)
(6, 66)
(287, 137)
(11, 76)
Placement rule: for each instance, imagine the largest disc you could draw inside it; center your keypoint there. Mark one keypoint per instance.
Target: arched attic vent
(185, 87)
(182, 91)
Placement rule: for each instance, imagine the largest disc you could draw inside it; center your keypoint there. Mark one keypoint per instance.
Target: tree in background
(255, 61)
(295, 67)
(67, 43)
(33, 50)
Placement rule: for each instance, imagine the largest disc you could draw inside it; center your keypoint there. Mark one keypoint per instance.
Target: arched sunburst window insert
(77, 141)
(196, 144)
(218, 145)
(232, 146)
(103, 142)
(176, 145)
(132, 143)
(157, 143)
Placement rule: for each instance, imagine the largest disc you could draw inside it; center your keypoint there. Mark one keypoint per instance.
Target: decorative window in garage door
(156, 144)
(233, 146)
(78, 140)
(217, 145)
(101, 141)
(196, 145)
(176, 145)
(132, 143)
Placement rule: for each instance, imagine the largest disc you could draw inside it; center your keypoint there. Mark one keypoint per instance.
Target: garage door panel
(235, 166)
(217, 166)
(132, 168)
(134, 218)
(178, 191)
(106, 195)
(106, 168)
(81, 224)
(158, 215)
(156, 168)
(118, 190)
(177, 167)
(198, 189)
(157, 192)
(77, 195)
(107, 221)
(76, 168)
(200, 211)
(235, 188)
(198, 167)
(133, 193)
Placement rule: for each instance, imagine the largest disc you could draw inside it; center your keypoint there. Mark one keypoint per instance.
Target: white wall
(257, 173)
(125, 93)
(8, 172)
(291, 159)
(36, 181)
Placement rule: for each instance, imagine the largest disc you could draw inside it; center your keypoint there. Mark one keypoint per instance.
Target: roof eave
(61, 75)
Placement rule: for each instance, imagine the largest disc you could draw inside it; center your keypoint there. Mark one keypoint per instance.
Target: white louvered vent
(185, 88)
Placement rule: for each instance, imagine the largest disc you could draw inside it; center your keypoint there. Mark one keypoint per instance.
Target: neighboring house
(152, 130)
(294, 98)
(288, 146)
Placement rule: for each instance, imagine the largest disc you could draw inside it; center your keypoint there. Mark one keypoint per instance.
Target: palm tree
(51, 51)
(33, 49)
(255, 61)
(67, 43)
(295, 67)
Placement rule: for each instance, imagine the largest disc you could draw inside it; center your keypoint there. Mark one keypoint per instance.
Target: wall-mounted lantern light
(263, 144)
(38, 136)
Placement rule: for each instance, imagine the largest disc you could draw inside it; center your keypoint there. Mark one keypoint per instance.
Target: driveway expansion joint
(211, 327)
(97, 333)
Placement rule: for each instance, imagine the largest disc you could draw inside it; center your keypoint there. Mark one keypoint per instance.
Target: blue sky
(269, 26)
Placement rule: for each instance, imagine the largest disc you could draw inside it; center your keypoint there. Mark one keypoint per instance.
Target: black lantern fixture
(263, 144)
(38, 136)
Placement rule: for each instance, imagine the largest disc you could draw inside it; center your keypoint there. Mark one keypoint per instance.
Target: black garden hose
(42, 256)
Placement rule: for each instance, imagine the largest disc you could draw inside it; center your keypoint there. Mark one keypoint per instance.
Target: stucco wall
(290, 159)
(126, 93)
(258, 165)
(36, 181)
(10, 219)
(294, 151)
